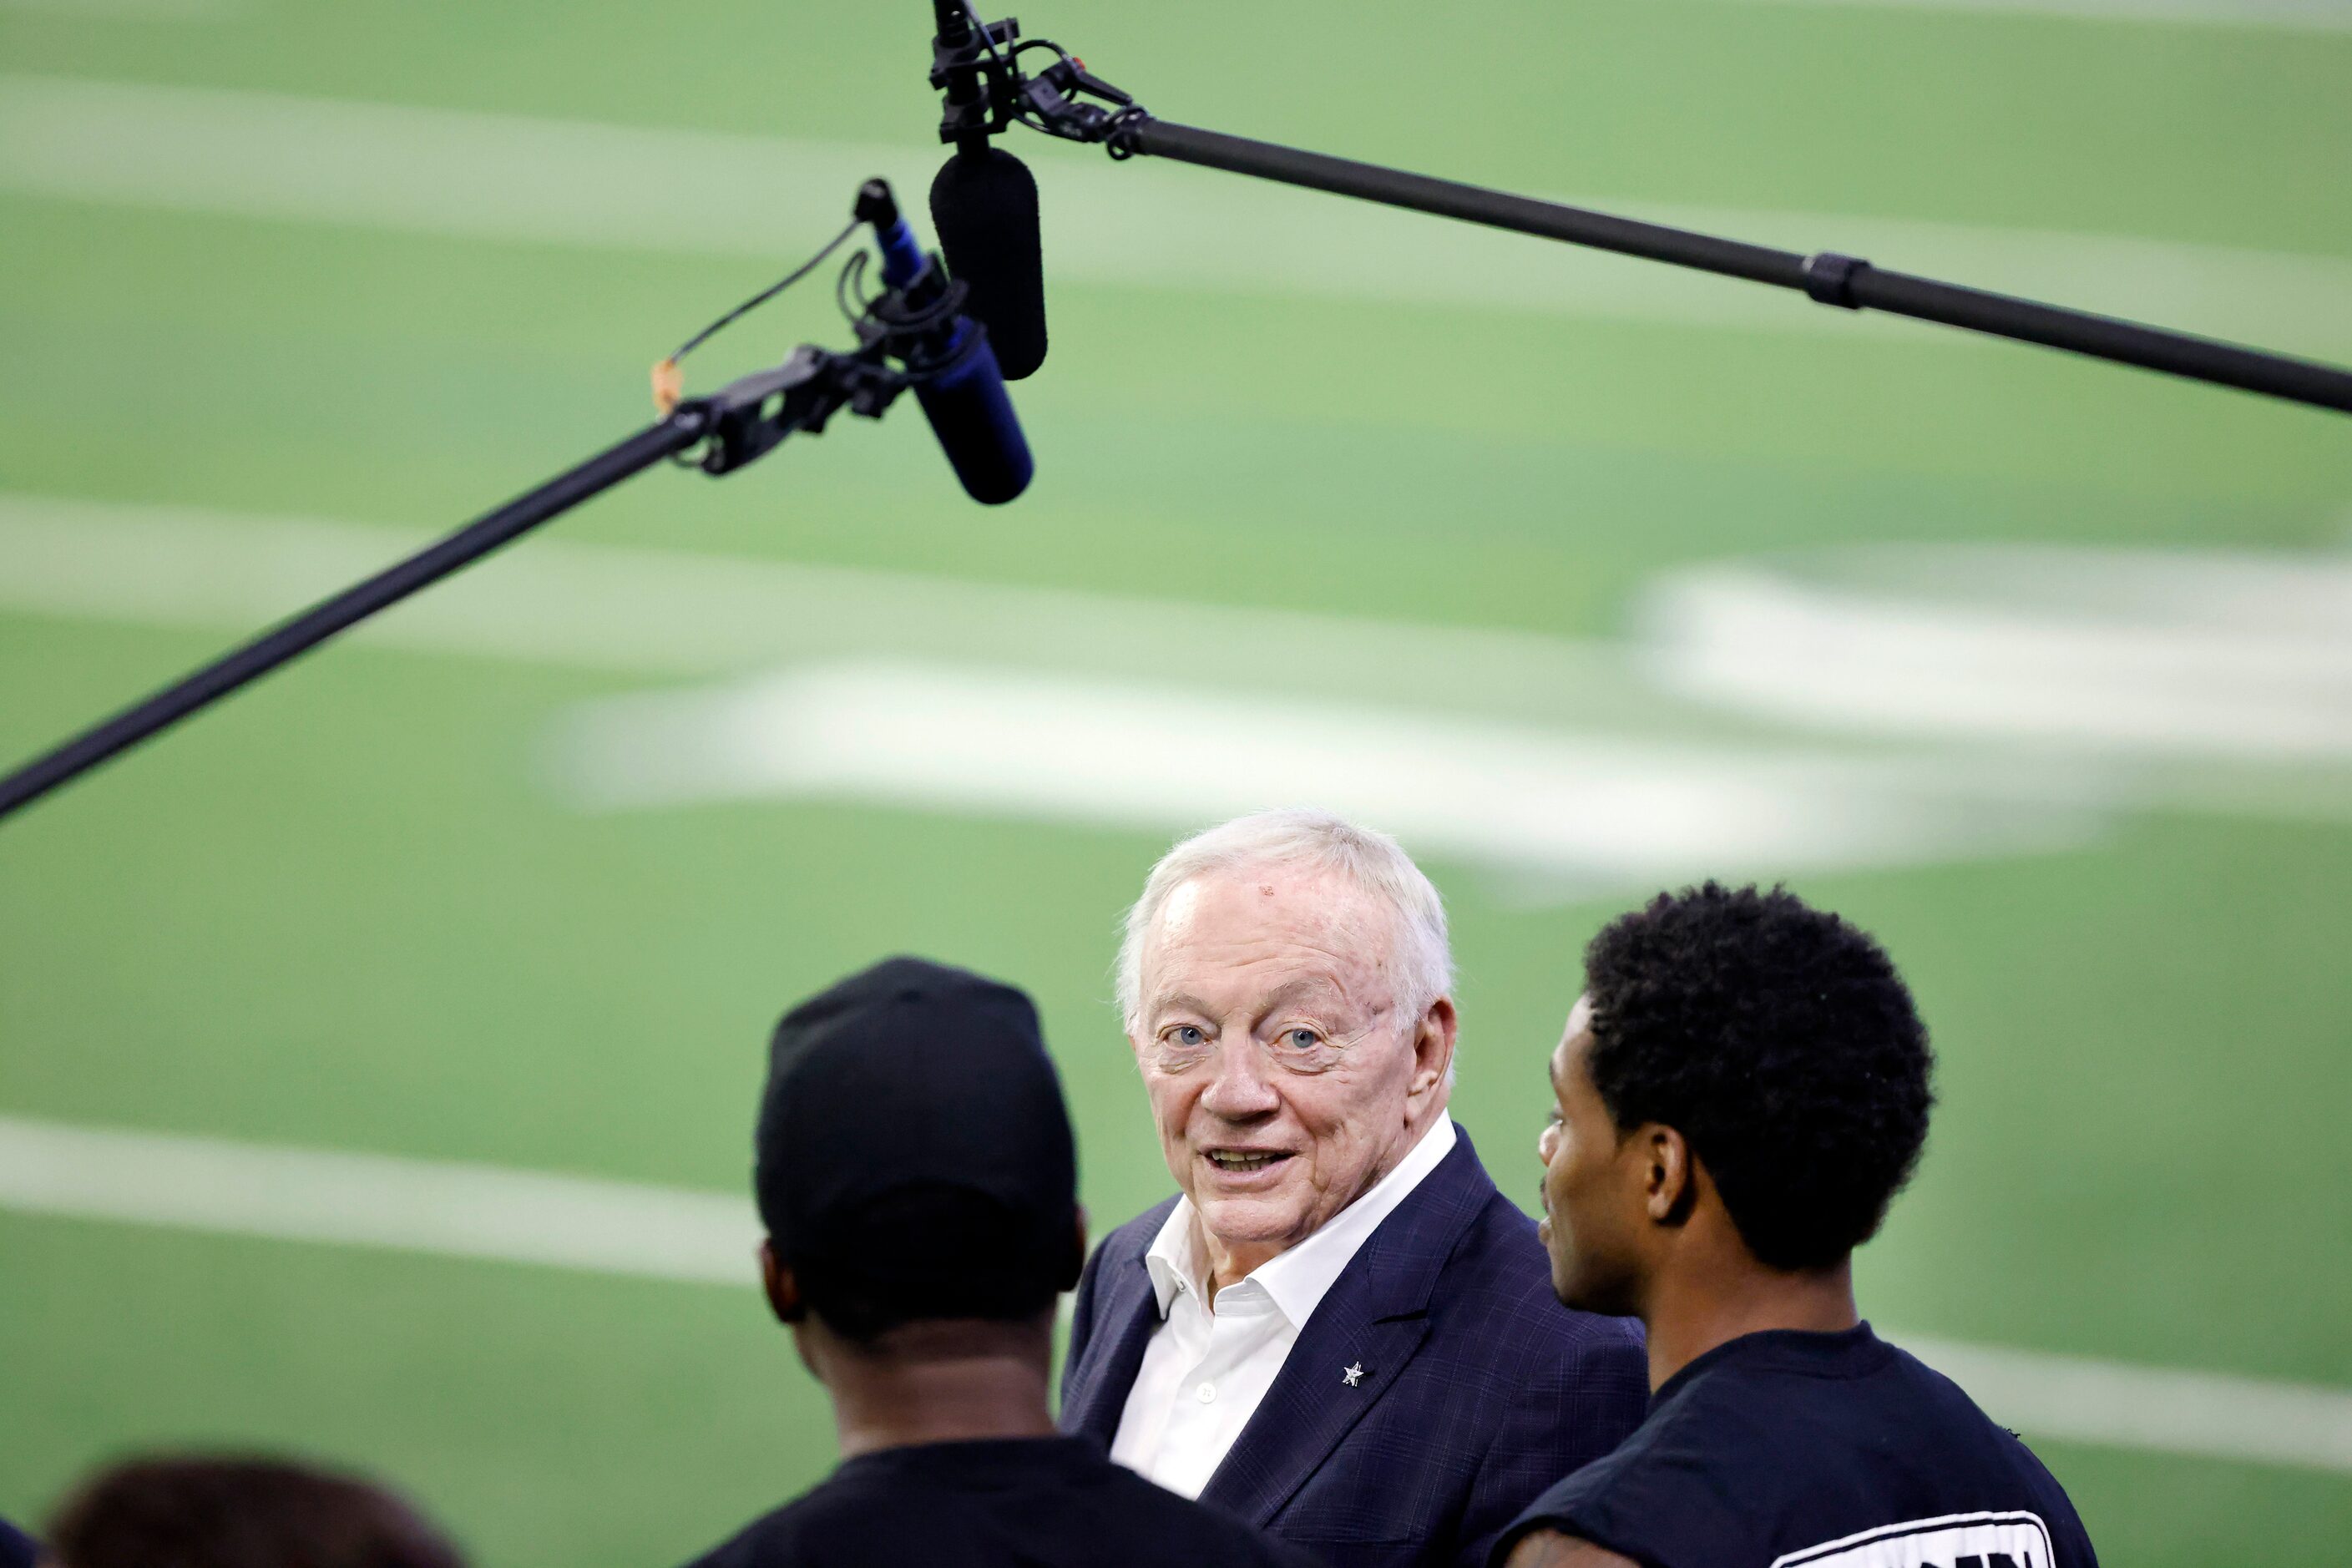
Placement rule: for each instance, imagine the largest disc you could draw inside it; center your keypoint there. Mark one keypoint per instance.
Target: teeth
(1225, 1162)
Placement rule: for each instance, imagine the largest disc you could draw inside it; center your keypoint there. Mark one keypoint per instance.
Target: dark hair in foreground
(236, 1511)
(913, 1159)
(969, 1237)
(1780, 1043)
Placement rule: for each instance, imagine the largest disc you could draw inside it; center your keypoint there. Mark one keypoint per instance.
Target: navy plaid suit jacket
(1479, 1389)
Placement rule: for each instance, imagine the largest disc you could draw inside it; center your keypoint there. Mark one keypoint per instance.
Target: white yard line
(2245, 653)
(666, 613)
(376, 1200)
(2238, 655)
(210, 1184)
(2103, 677)
(2218, 679)
(506, 177)
(2100, 678)
(1590, 810)
(2115, 1404)
(1530, 756)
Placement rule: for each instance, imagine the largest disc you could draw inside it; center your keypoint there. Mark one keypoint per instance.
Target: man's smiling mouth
(1244, 1160)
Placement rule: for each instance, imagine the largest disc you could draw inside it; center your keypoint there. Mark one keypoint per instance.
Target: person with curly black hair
(1741, 1090)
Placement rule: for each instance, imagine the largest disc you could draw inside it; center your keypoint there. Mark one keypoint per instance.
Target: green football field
(1585, 577)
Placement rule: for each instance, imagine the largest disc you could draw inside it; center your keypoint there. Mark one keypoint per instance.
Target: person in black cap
(917, 1175)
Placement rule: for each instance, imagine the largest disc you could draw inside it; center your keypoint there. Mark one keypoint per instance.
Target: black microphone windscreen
(985, 205)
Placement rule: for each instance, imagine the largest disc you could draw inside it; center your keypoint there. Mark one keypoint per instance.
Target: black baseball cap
(914, 1157)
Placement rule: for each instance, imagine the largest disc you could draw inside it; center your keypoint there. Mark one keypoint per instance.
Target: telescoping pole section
(242, 666)
(1830, 278)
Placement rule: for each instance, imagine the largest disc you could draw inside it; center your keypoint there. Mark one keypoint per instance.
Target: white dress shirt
(1206, 1368)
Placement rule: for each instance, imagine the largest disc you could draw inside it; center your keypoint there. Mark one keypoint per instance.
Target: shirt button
(1206, 1392)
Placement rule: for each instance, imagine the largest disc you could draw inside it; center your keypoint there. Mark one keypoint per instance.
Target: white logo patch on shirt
(1954, 1540)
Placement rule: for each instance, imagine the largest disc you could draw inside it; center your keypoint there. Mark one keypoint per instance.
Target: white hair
(1318, 840)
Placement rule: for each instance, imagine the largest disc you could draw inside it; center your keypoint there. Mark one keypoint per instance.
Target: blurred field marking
(650, 612)
(376, 1200)
(1057, 706)
(496, 1212)
(2118, 1405)
(2241, 655)
(2254, 712)
(2293, 15)
(642, 188)
(1591, 809)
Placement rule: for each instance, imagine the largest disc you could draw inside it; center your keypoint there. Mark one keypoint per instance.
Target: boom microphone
(984, 201)
(961, 390)
(985, 205)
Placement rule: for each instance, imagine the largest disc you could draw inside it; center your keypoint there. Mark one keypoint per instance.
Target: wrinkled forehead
(1237, 934)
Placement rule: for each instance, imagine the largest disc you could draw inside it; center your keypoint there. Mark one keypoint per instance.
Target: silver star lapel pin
(1352, 1376)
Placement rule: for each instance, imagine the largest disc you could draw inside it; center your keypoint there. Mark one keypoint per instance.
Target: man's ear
(1077, 1264)
(784, 1287)
(1670, 1187)
(1433, 1046)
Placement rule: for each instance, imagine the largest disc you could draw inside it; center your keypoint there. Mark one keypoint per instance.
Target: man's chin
(1582, 1293)
(1248, 1219)
(1565, 1287)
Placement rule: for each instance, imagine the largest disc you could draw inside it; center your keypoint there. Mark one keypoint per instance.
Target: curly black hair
(1780, 1043)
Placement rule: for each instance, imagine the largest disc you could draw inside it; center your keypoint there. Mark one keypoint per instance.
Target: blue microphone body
(964, 399)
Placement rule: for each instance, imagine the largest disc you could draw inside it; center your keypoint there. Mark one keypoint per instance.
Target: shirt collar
(1299, 1279)
(1174, 1257)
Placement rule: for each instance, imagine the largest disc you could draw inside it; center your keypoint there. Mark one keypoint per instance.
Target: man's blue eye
(1189, 1036)
(1303, 1039)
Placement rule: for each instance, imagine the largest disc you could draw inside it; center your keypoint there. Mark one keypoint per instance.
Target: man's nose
(1546, 1142)
(1240, 1091)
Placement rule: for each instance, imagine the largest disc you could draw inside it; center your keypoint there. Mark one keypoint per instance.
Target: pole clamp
(1829, 278)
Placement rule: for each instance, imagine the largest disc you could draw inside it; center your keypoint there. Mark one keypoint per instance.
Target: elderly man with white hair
(1338, 1330)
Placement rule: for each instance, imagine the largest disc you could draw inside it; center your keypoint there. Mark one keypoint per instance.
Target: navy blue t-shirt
(1014, 1502)
(1786, 1449)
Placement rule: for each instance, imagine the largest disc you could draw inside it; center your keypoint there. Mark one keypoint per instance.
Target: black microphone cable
(670, 385)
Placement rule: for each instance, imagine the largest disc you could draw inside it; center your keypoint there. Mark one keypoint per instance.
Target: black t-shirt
(1785, 1449)
(1022, 1502)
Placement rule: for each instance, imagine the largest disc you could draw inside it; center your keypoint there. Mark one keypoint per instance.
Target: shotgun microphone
(960, 387)
(984, 200)
(984, 206)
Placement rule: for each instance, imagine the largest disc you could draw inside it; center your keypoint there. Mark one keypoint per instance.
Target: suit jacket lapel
(1358, 1340)
(1309, 1409)
(1125, 1316)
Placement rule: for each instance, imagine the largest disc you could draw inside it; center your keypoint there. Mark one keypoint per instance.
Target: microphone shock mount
(977, 65)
